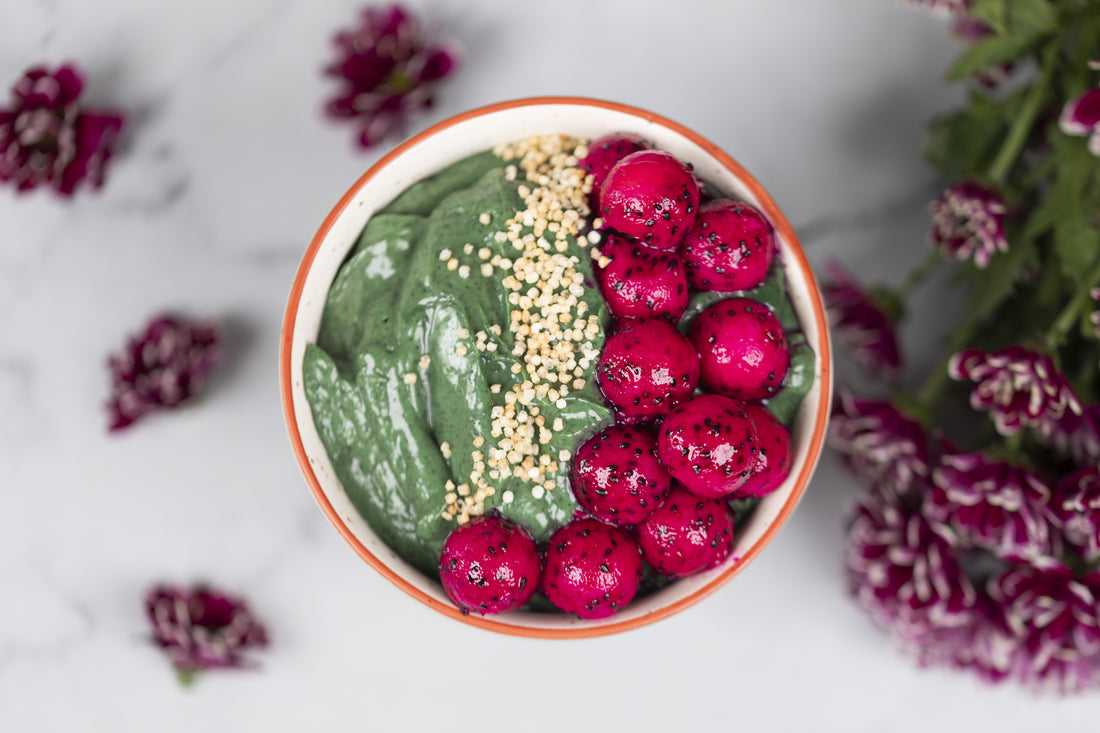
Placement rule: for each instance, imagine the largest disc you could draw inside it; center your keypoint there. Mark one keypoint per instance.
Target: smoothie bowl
(564, 355)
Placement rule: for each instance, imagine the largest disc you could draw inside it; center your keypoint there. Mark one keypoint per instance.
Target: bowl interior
(455, 139)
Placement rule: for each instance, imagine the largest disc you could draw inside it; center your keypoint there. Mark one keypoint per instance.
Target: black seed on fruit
(603, 567)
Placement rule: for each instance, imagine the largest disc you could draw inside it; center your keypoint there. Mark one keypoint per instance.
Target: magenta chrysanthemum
(1076, 508)
(1081, 116)
(165, 366)
(47, 140)
(991, 504)
(968, 222)
(862, 324)
(878, 442)
(943, 7)
(1053, 617)
(1015, 385)
(906, 577)
(390, 66)
(202, 628)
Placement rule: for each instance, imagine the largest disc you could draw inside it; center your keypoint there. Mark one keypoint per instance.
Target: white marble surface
(227, 170)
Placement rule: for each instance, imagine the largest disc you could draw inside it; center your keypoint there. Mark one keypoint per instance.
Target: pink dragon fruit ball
(742, 348)
(616, 475)
(773, 454)
(730, 247)
(686, 534)
(604, 152)
(592, 569)
(646, 367)
(650, 196)
(708, 444)
(639, 281)
(489, 565)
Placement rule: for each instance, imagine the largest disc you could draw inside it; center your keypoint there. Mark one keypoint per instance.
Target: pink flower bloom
(991, 504)
(1081, 116)
(1053, 616)
(879, 443)
(862, 324)
(47, 140)
(1016, 385)
(164, 367)
(968, 222)
(390, 66)
(1076, 509)
(905, 575)
(943, 7)
(202, 628)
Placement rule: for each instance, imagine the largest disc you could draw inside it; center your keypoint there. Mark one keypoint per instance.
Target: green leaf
(998, 281)
(1076, 242)
(991, 52)
(994, 13)
(1015, 17)
(964, 143)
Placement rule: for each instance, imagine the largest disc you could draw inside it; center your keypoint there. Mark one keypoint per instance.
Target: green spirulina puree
(394, 300)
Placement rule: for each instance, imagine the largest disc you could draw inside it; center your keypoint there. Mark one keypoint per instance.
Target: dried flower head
(47, 140)
(991, 504)
(1017, 386)
(863, 324)
(906, 576)
(879, 443)
(968, 222)
(1076, 509)
(163, 367)
(1081, 116)
(202, 628)
(1053, 617)
(390, 66)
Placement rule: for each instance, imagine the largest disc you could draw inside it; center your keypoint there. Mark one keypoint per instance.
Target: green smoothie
(452, 374)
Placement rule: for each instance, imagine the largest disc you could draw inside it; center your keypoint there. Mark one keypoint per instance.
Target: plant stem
(930, 393)
(1025, 120)
(919, 274)
(1058, 330)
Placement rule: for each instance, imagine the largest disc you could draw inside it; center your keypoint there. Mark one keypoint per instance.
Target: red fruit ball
(646, 367)
(592, 569)
(639, 281)
(708, 444)
(604, 153)
(686, 534)
(730, 247)
(489, 565)
(616, 475)
(773, 454)
(742, 349)
(650, 196)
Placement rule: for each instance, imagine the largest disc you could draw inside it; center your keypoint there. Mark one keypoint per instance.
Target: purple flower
(1076, 509)
(943, 7)
(879, 443)
(47, 140)
(905, 575)
(991, 504)
(1053, 618)
(390, 66)
(1074, 435)
(163, 367)
(968, 222)
(202, 628)
(1081, 116)
(862, 323)
(1016, 385)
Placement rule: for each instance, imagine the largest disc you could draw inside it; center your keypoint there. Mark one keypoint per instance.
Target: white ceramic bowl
(431, 151)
